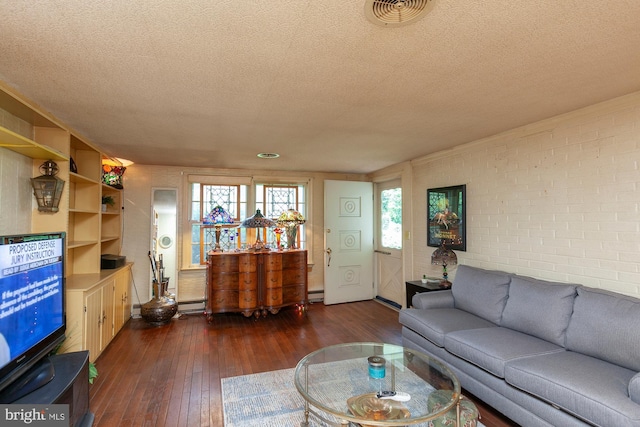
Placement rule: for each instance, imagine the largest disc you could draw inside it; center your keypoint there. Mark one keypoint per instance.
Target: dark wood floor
(170, 375)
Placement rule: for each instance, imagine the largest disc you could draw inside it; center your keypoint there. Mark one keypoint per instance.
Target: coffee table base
(308, 411)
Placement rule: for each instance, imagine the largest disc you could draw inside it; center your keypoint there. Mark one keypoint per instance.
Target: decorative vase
(292, 233)
(160, 309)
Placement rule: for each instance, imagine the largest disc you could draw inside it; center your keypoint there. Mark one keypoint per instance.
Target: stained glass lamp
(258, 221)
(290, 220)
(218, 217)
(444, 256)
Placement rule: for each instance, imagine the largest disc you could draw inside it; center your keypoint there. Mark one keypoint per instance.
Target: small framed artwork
(446, 219)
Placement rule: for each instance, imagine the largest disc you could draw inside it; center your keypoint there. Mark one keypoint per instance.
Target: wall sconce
(47, 187)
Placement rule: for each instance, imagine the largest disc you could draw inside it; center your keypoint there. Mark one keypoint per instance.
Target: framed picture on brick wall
(446, 219)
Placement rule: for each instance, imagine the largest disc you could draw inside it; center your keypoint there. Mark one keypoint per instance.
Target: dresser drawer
(224, 281)
(294, 294)
(247, 281)
(223, 301)
(247, 263)
(295, 260)
(223, 263)
(247, 299)
(273, 261)
(293, 277)
(273, 297)
(273, 279)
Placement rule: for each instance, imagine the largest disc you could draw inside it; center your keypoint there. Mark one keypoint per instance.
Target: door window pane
(391, 218)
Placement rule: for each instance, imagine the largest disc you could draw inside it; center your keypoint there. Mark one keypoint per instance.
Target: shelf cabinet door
(108, 295)
(122, 302)
(93, 323)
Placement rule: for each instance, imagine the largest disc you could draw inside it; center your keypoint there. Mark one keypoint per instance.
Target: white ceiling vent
(394, 13)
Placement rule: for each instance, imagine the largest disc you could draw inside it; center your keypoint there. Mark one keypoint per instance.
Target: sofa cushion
(634, 388)
(539, 308)
(492, 348)
(434, 324)
(440, 299)
(481, 292)
(588, 388)
(604, 325)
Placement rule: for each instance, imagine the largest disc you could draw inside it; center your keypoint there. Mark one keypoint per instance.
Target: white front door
(348, 235)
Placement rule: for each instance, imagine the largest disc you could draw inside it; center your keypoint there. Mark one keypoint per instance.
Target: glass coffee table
(375, 384)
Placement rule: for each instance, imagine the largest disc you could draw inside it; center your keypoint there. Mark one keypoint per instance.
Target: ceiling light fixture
(268, 155)
(394, 13)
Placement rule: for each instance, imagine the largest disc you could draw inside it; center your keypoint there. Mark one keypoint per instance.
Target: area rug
(268, 399)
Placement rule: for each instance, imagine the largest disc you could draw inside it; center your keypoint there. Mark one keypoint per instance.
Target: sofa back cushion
(604, 324)
(481, 292)
(539, 308)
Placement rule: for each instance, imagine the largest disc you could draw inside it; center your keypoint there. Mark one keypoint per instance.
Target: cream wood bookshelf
(90, 232)
(111, 222)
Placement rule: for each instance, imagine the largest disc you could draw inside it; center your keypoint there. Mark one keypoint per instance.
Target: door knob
(328, 251)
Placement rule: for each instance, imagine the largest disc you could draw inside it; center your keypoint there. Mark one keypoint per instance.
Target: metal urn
(163, 306)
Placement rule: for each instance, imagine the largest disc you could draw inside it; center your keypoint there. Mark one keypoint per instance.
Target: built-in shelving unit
(90, 231)
(18, 143)
(111, 222)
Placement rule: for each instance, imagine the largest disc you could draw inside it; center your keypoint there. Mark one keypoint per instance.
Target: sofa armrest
(436, 299)
(634, 388)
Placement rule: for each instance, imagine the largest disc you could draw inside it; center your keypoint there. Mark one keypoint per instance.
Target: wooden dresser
(254, 283)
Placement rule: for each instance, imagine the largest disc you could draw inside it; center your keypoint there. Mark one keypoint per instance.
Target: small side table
(416, 287)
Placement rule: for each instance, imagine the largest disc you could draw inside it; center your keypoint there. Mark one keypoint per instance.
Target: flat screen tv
(32, 310)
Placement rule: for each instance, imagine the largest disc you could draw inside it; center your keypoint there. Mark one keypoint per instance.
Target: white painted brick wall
(562, 203)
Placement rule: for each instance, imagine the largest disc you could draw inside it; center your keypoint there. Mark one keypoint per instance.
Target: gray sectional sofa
(541, 353)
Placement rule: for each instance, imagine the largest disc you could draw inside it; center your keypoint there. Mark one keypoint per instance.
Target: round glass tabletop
(375, 384)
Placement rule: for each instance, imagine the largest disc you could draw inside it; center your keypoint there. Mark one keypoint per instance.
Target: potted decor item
(107, 200)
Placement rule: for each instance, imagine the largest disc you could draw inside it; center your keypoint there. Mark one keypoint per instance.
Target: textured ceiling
(204, 83)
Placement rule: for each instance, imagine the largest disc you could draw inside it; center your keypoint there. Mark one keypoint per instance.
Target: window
(391, 218)
(240, 197)
(274, 199)
(204, 197)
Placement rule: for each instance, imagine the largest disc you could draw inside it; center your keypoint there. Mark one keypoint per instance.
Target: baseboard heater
(389, 302)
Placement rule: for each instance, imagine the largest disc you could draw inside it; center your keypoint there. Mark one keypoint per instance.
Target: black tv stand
(37, 376)
(70, 386)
